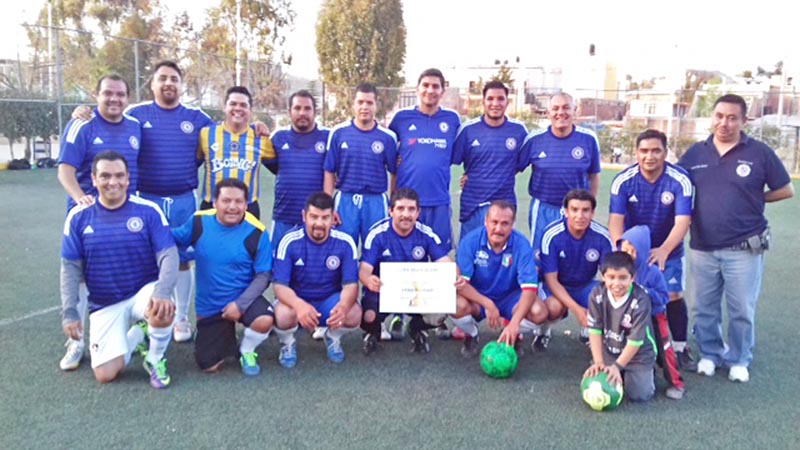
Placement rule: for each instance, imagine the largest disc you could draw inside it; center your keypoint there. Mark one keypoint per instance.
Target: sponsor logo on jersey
(507, 260)
(475, 143)
(231, 163)
(633, 199)
(443, 126)
(418, 253)
(743, 169)
(332, 263)
(147, 124)
(319, 147)
(481, 259)
(592, 255)
(561, 254)
(299, 262)
(386, 253)
(285, 146)
(187, 127)
(542, 155)
(436, 142)
(97, 141)
(412, 127)
(578, 152)
(511, 143)
(626, 321)
(667, 198)
(344, 146)
(135, 224)
(377, 147)
(88, 230)
(134, 142)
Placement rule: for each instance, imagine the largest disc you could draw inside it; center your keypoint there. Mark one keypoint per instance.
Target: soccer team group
(133, 227)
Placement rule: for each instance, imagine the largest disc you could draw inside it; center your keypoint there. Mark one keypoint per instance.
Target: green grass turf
(392, 400)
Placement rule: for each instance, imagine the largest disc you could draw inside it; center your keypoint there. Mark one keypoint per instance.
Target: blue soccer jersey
(315, 271)
(383, 244)
(491, 156)
(227, 258)
(360, 158)
(425, 152)
(168, 156)
(83, 140)
(496, 275)
(652, 204)
(575, 260)
(299, 163)
(560, 164)
(118, 247)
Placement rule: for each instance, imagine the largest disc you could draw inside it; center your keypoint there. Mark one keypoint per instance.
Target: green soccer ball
(498, 360)
(599, 394)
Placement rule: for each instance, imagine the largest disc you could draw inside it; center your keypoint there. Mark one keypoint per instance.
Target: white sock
(526, 326)
(159, 341)
(286, 337)
(337, 334)
(83, 307)
(679, 346)
(251, 340)
(183, 294)
(467, 324)
(135, 337)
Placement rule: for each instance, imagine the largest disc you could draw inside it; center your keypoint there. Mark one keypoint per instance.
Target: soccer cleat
(442, 332)
(706, 367)
(142, 348)
(385, 335)
(159, 378)
(249, 362)
(335, 351)
(541, 339)
(674, 393)
(457, 334)
(72, 358)
(686, 361)
(584, 336)
(397, 328)
(288, 355)
(182, 331)
(319, 332)
(470, 346)
(370, 344)
(421, 343)
(739, 373)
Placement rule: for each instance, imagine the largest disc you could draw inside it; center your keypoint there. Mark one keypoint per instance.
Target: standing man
(301, 153)
(562, 157)
(121, 246)
(489, 147)
(316, 281)
(425, 136)
(359, 153)
(658, 194)
(497, 262)
(106, 128)
(233, 149)
(730, 171)
(571, 253)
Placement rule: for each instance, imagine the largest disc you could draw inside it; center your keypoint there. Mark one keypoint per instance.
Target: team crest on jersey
(319, 147)
(507, 260)
(332, 262)
(377, 147)
(511, 143)
(626, 321)
(578, 152)
(135, 224)
(187, 127)
(592, 255)
(667, 198)
(743, 170)
(418, 253)
(482, 258)
(134, 142)
(234, 146)
(443, 126)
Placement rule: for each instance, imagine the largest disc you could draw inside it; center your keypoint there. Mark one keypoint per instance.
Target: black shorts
(252, 208)
(216, 337)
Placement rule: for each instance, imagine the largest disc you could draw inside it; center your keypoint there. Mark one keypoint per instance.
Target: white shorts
(108, 327)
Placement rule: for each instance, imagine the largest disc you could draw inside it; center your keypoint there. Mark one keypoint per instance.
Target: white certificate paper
(418, 288)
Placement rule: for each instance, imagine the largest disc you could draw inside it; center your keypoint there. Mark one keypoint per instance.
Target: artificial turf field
(392, 399)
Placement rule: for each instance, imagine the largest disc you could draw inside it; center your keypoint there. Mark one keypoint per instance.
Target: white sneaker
(385, 335)
(739, 373)
(706, 367)
(182, 331)
(72, 359)
(319, 333)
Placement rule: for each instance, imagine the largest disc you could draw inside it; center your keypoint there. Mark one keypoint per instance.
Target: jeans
(736, 274)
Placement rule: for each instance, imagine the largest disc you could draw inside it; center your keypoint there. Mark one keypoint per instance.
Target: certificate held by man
(416, 288)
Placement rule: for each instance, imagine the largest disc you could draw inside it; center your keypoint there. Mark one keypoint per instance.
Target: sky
(643, 39)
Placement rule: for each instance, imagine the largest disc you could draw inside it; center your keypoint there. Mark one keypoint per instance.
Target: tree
(504, 74)
(361, 41)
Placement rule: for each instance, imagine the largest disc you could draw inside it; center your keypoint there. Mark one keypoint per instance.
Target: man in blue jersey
(316, 281)
(301, 154)
(571, 252)
(106, 129)
(489, 147)
(497, 262)
(658, 194)
(121, 246)
(400, 238)
(359, 153)
(233, 149)
(233, 262)
(425, 136)
(734, 176)
(562, 157)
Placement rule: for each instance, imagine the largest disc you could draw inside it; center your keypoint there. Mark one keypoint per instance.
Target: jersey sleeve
(436, 249)
(160, 234)
(202, 144)
(595, 317)
(73, 147)
(777, 176)
(349, 265)
(594, 164)
(459, 147)
(263, 262)
(282, 266)
(331, 163)
(549, 256)
(71, 243)
(640, 320)
(464, 258)
(390, 153)
(526, 268)
(618, 204)
(524, 156)
(266, 150)
(183, 233)
(370, 252)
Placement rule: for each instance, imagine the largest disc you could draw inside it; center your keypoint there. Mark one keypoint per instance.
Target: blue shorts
(324, 307)
(278, 231)
(674, 274)
(579, 294)
(359, 212)
(506, 305)
(438, 218)
(540, 216)
(475, 221)
(178, 210)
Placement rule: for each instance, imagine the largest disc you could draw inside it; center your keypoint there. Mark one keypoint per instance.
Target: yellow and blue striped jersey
(232, 155)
